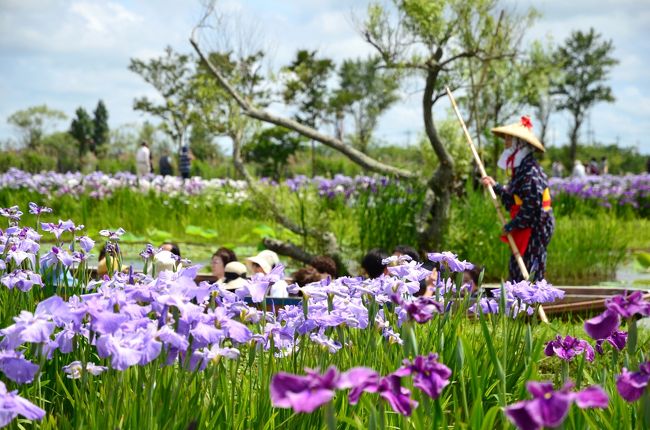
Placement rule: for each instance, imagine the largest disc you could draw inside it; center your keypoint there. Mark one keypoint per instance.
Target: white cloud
(68, 53)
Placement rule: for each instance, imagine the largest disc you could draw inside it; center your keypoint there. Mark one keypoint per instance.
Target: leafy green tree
(365, 92)
(305, 87)
(100, 124)
(586, 62)
(33, 122)
(434, 39)
(171, 76)
(271, 149)
(81, 129)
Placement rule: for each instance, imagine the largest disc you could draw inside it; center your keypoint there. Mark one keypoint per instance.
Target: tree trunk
(573, 136)
(431, 235)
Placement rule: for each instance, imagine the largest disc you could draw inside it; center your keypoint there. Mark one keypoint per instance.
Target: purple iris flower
(488, 306)
(391, 389)
(13, 213)
(58, 229)
(12, 405)
(75, 369)
(331, 345)
(549, 408)
(28, 327)
(16, 368)
(303, 393)
(429, 375)
(359, 379)
(631, 385)
(23, 280)
(112, 235)
(451, 260)
(86, 243)
(568, 348)
(148, 252)
(421, 309)
(618, 340)
(35, 209)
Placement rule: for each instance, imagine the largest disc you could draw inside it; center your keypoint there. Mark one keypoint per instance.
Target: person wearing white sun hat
(234, 275)
(263, 263)
(526, 196)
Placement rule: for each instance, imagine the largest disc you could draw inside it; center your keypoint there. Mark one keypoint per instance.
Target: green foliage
(100, 124)
(63, 148)
(170, 75)
(81, 129)
(621, 160)
(33, 122)
(586, 63)
(270, 149)
(365, 92)
(588, 245)
(305, 86)
(388, 218)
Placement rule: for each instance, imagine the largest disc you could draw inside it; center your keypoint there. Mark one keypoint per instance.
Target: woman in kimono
(526, 196)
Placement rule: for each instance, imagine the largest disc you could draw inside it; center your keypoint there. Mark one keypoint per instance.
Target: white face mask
(516, 153)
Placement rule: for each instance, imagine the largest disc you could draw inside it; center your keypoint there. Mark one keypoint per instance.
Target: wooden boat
(577, 299)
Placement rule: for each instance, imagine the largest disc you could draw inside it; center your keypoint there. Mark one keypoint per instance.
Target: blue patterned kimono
(528, 191)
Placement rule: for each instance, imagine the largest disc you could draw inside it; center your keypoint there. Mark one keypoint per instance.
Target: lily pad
(643, 258)
(156, 235)
(263, 231)
(206, 233)
(129, 237)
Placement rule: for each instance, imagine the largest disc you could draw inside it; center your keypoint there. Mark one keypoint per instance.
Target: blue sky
(70, 53)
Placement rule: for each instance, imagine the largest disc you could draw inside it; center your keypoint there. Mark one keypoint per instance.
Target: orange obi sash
(521, 236)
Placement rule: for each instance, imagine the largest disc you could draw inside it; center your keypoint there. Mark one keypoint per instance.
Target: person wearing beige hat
(526, 196)
(234, 275)
(263, 263)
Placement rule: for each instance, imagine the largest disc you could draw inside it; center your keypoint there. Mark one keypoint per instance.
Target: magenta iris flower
(618, 340)
(568, 348)
(549, 408)
(429, 375)
(631, 385)
(603, 325)
(304, 393)
(620, 306)
(628, 306)
(12, 405)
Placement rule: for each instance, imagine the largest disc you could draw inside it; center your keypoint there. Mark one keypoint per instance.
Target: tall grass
(586, 247)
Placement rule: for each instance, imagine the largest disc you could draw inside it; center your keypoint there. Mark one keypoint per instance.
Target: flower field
(206, 214)
(156, 350)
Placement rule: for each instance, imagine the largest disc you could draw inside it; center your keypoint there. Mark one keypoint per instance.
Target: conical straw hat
(522, 130)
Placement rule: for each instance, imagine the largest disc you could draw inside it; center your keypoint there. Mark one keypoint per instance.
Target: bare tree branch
(251, 111)
(289, 249)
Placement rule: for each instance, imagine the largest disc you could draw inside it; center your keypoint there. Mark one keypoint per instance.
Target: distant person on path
(165, 165)
(557, 169)
(604, 166)
(593, 167)
(185, 162)
(578, 170)
(143, 160)
(526, 196)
